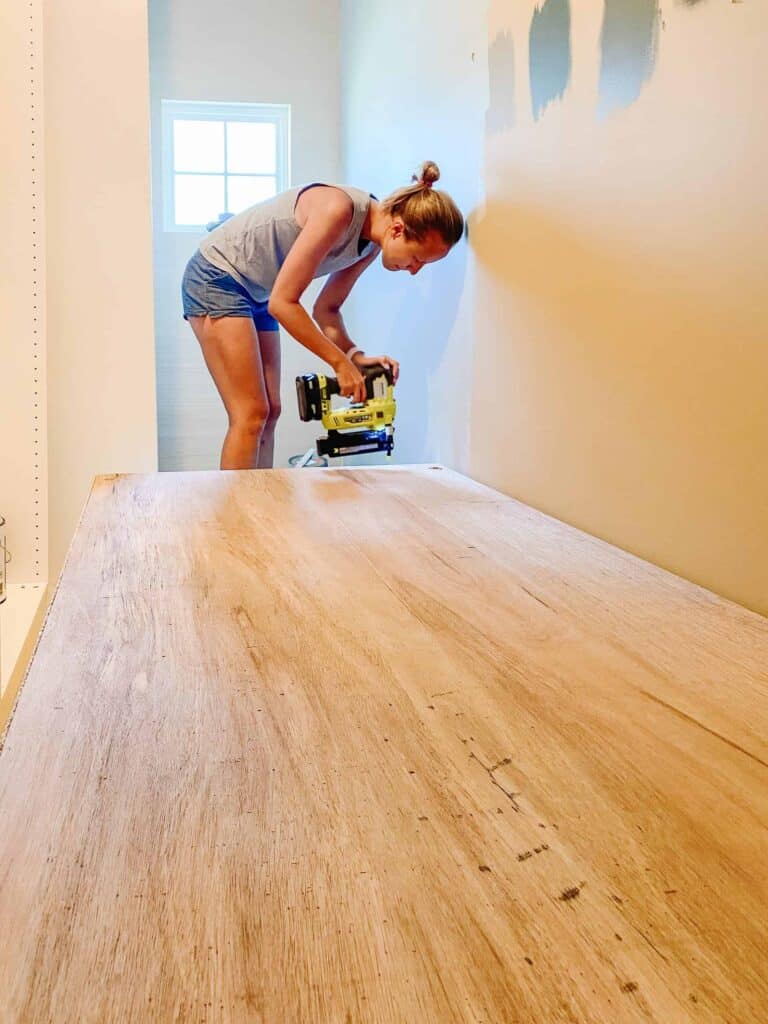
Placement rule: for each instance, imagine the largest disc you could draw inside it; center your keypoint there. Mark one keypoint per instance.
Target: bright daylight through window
(220, 159)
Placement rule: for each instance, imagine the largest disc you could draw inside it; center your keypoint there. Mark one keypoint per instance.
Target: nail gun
(358, 427)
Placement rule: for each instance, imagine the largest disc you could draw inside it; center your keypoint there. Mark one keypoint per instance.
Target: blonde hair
(423, 209)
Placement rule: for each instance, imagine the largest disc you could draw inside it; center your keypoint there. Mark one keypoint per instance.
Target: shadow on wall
(550, 54)
(616, 352)
(628, 44)
(600, 297)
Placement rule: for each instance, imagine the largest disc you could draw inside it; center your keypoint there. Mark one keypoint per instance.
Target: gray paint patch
(629, 43)
(501, 84)
(550, 54)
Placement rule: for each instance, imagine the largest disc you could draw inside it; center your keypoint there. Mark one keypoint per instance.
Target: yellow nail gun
(358, 427)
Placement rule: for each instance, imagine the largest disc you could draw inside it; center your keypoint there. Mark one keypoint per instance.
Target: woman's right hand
(351, 381)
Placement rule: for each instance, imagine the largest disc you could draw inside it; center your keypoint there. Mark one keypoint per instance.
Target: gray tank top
(253, 245)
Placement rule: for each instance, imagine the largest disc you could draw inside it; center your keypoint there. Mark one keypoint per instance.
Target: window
(219, 158)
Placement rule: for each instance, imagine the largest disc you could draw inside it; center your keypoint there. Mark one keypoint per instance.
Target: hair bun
(428, 174)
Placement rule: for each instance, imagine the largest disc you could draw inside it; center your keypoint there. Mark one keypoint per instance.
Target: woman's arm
(327, 313)
(327, 308)
(326, 223)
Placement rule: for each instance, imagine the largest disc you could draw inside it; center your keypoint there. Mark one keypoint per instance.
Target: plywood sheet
(380, 745)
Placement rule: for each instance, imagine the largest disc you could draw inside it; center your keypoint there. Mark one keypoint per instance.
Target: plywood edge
(15, 688)
(23, 661)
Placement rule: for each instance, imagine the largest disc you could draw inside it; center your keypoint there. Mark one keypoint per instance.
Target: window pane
(199, 198)
(198, 145)
(251, 147)
(246, 190)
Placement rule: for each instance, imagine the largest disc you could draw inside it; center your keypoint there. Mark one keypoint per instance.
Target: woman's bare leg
(269, 344)
(232, 353)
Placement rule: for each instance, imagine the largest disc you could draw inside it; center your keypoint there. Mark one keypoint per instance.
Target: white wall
(406, 99)
(620, 311)
(623, 270)
(235, 51)
(101, 375)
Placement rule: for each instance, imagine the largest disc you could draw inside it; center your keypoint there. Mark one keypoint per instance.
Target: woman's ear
(397, 228)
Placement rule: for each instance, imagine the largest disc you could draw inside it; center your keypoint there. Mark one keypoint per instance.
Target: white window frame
(277, 113)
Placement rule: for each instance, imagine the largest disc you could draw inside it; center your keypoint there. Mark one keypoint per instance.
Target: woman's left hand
(361, 361)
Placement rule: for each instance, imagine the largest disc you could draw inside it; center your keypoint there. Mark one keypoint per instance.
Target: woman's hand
(361, 361)
(351, 381)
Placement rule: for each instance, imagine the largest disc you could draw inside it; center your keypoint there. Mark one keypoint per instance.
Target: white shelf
(20, 613)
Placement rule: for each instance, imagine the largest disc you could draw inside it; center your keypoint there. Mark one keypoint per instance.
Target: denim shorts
(207, 290)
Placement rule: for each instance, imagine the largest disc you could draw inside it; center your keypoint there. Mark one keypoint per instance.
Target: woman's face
(411, 254)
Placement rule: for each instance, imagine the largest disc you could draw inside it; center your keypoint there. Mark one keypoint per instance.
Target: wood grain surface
(380, 745)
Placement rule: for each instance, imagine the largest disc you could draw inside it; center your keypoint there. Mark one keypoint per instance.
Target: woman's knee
(251, 418)
(273, 416)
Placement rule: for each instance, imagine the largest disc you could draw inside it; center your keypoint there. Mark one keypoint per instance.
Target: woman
(249, 274)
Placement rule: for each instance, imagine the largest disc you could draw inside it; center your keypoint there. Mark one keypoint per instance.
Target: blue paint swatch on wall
(550, 54)
(501, 84)
(629, 43)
